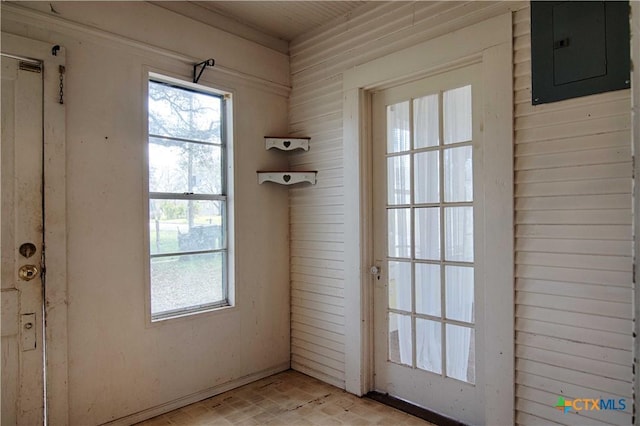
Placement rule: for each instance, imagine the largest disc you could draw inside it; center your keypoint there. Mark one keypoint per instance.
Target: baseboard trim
(414, 410)
(195, 397)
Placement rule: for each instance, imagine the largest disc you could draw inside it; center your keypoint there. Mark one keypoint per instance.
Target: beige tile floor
(288, 398)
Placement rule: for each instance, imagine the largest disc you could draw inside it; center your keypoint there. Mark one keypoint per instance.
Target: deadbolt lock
(28, 272)
(27, 250)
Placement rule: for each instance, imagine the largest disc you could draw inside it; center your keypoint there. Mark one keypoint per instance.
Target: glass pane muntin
(438, 146)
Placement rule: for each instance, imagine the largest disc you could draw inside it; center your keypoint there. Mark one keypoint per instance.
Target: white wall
(119, 364)
(573, 215)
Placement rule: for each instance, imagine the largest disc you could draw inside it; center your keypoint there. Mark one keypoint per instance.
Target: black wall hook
(55, 49)
(203, 64)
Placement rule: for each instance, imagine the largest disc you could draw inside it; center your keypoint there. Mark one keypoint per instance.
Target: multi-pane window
(430, 253)
(187, 199)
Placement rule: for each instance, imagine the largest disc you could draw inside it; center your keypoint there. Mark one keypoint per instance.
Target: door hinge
(30, 66)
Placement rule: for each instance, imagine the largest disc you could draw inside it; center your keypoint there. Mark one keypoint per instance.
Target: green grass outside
(184, 281)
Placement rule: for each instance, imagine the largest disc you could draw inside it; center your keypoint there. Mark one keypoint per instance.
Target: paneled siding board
(524, 418)
(573, 213)
(573, 249)
(610, 278)
(569, 347)
(619, 170)
(604, 369)
(585, 291)
(605, 322)
(601, 232)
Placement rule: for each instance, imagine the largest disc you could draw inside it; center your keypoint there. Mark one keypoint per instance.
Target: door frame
(54, 217)
(489, 43)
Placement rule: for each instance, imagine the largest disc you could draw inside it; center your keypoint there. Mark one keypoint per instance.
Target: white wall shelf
(287, 178)
(286, 144)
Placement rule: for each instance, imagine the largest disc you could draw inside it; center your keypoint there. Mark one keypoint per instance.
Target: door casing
(54, 189)
(490, 44)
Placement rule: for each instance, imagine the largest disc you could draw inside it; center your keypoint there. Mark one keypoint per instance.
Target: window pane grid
(422, 323)
(188, 209)
(426, 205)
(186, 196)
(185, 282)
(435, 148)
(193, 309)
(439, 318)
(444, 204)
(419, 261)
(185, 167)
(185, 253)
(177, 139)
(179, 112)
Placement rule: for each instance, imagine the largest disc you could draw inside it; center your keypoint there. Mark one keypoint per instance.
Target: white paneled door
(22, 243)
(428, 243)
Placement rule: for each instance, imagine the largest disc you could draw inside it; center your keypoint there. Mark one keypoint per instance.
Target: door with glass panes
(427, 194)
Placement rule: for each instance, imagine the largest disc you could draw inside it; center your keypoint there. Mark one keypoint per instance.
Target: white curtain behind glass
(399, 223)
(459, 281)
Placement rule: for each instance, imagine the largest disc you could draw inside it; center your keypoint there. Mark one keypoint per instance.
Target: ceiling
(271, 23)
(282, 19)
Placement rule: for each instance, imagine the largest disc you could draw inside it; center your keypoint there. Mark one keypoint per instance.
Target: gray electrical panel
(578, 48)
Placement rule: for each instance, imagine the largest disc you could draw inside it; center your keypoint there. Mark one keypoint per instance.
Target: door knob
(28, 272)
(375, 271)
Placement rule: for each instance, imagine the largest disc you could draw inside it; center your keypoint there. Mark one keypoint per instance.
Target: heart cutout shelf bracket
(286, 144)
(287, 177)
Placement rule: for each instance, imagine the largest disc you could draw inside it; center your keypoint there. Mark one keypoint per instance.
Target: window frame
(225, 196)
